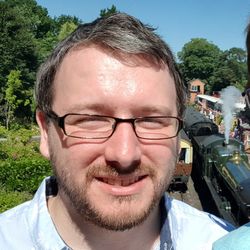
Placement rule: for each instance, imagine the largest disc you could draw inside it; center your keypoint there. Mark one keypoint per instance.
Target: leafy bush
(22, 167)
(11, 199)
(3, 131)
(24, 174)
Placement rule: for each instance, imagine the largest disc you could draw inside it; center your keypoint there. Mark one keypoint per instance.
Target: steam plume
(229, 96)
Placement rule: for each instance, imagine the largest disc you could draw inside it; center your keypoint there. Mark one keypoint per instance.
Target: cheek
(162, 154)
(80, 155)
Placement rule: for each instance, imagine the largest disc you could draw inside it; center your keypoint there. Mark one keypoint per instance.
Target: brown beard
(78, 195)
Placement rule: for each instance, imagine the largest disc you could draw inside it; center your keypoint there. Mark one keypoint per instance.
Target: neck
(77, 233)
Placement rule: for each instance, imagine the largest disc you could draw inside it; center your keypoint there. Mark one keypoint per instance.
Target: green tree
(232, 70)
(66, 29)
(108, 11)
(11, 95)
(59, 21)
(45, 45)
(17, 49)
(59, 28)
(22, 24)
(199, 59)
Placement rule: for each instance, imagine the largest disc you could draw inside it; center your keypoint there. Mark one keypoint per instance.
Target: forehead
(91, 77)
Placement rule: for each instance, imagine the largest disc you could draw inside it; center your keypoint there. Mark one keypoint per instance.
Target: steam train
(223, 168)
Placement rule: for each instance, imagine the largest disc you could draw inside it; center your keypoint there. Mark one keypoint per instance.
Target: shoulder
(182, 211)
(21, 222)
(14, 222)
(192, 227)
(13, 216)
(237, 239)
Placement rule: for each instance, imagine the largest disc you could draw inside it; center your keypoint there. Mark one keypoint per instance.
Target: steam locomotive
(222, 167)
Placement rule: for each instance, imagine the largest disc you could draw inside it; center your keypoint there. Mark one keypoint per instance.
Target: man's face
(114, 183)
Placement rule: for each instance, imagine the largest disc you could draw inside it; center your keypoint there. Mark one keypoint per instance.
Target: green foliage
(9, 199)
(45, 46)
(19, 140)
(11, 95)
(108, 11)
(59, 21)
(24, 174)
(20, 25)
(66, 29)
(13, 84)
(22, 168)
(28, 35)
(200, 59)
(3, 132)
(232, 70)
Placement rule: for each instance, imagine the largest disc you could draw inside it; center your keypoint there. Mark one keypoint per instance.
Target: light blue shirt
(29, 226)
(238, 239)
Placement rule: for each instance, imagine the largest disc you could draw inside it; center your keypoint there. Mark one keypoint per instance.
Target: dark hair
(123, 35)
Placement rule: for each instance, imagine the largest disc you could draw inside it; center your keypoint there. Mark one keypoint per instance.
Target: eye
(87, 121)
(154, 122)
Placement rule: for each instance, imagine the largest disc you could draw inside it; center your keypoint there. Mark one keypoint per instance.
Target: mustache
(111, 171)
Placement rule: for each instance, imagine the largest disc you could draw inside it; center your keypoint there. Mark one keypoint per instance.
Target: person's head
(112, 171)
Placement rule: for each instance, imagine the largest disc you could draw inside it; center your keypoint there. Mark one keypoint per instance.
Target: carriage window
(182, 156)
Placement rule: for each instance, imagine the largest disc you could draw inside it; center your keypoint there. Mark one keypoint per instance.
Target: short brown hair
(120, 33)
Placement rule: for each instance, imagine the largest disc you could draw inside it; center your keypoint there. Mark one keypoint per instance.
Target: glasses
(84, 126)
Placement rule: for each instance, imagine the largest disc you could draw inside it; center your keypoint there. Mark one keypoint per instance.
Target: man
(110, 101)
(239, 239)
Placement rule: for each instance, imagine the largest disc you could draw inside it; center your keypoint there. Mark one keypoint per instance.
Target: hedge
(22, 167)
(10, 199)
(24, 174)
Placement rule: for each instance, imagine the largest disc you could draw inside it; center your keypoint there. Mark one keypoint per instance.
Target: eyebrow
(81, 107)
(106, 108)
(156, 109)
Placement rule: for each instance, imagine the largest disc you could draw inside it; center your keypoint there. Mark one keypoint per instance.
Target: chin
(123, 214)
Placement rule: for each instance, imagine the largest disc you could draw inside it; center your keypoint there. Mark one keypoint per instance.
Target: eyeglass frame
(60, 120)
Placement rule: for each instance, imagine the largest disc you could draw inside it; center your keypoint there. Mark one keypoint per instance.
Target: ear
(43, 126)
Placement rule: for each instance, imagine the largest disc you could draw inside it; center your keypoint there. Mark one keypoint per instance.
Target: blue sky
(221, 22)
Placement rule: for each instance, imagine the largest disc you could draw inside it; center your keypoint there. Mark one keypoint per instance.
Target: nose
(123, 150)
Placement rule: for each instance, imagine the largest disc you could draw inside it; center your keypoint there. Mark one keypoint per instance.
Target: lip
(122, 186)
